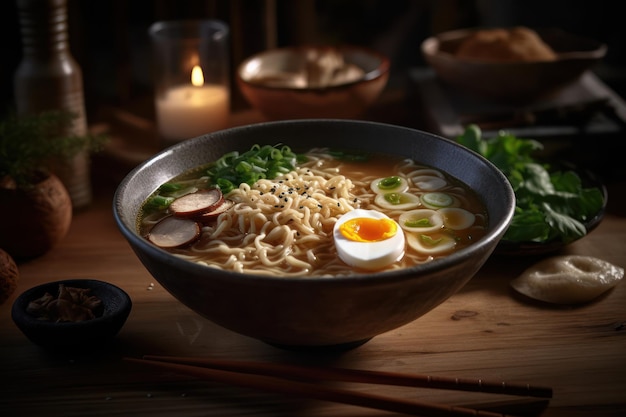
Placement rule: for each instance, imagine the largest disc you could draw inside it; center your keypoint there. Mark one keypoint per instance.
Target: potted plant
(35, 207)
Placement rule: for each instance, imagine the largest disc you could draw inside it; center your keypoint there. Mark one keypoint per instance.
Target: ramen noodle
(285, 225)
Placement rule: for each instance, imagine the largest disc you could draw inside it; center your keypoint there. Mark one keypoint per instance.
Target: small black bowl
(81, 335)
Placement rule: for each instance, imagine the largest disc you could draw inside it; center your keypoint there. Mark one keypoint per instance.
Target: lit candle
(192, 110)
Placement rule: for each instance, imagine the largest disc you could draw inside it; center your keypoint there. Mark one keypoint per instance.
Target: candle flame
(197, 78)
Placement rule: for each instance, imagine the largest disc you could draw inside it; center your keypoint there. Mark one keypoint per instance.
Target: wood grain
(484, 331)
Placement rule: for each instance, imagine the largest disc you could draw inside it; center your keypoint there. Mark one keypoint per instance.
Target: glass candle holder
(192, 80)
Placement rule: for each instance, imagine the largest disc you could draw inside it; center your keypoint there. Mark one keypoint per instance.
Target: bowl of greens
(556, 202)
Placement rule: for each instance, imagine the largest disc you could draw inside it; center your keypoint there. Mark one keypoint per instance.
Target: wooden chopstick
(309, 390)
(362, 376)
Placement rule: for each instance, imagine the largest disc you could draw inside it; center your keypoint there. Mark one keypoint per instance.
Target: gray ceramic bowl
(315, 312)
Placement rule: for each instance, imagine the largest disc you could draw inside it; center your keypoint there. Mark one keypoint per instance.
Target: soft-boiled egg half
(368, 239)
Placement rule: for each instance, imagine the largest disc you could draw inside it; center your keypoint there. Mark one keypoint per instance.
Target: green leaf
(568, 228)
(550, 205)
(528, 226)
(536, 179)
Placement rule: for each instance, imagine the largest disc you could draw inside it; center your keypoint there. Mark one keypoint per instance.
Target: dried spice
(71, 305)
(9, 275)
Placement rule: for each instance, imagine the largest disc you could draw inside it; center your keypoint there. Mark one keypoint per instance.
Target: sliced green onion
(157, 202)
(437, 199)
(393, 198)
(225, 185)
(424, 222)
(170, 187)
(389, 183)
(233, 169)
(428, 240)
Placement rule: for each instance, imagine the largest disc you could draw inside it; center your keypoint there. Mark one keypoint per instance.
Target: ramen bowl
(313, 81)
(316, 312)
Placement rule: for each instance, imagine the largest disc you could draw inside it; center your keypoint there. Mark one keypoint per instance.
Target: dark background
(109, 40)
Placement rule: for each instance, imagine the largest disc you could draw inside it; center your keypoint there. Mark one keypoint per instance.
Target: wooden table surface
(484, 331)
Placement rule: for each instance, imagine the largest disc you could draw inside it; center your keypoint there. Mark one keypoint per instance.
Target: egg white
(368, 255)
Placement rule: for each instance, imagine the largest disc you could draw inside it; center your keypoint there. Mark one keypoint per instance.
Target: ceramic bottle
(49, 78)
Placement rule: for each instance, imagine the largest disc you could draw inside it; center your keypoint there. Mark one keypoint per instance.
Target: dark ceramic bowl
(315, 312)
(74, 336)
(344, 100)
(517, 82)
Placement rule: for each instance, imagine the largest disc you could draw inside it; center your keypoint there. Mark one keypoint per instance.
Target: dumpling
(569, 279)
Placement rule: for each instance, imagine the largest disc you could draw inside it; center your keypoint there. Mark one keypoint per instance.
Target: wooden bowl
(262, 80)
(513, 81)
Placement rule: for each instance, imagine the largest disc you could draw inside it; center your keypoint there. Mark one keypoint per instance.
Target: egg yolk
(365, 229)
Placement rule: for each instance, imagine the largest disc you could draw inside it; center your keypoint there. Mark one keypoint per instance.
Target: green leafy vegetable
(550, 205)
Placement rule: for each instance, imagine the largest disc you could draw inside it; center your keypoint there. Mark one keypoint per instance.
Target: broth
(284, 226)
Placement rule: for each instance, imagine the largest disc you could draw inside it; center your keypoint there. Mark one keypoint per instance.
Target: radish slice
(209, 216)
(173, 232)
(196, 203)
